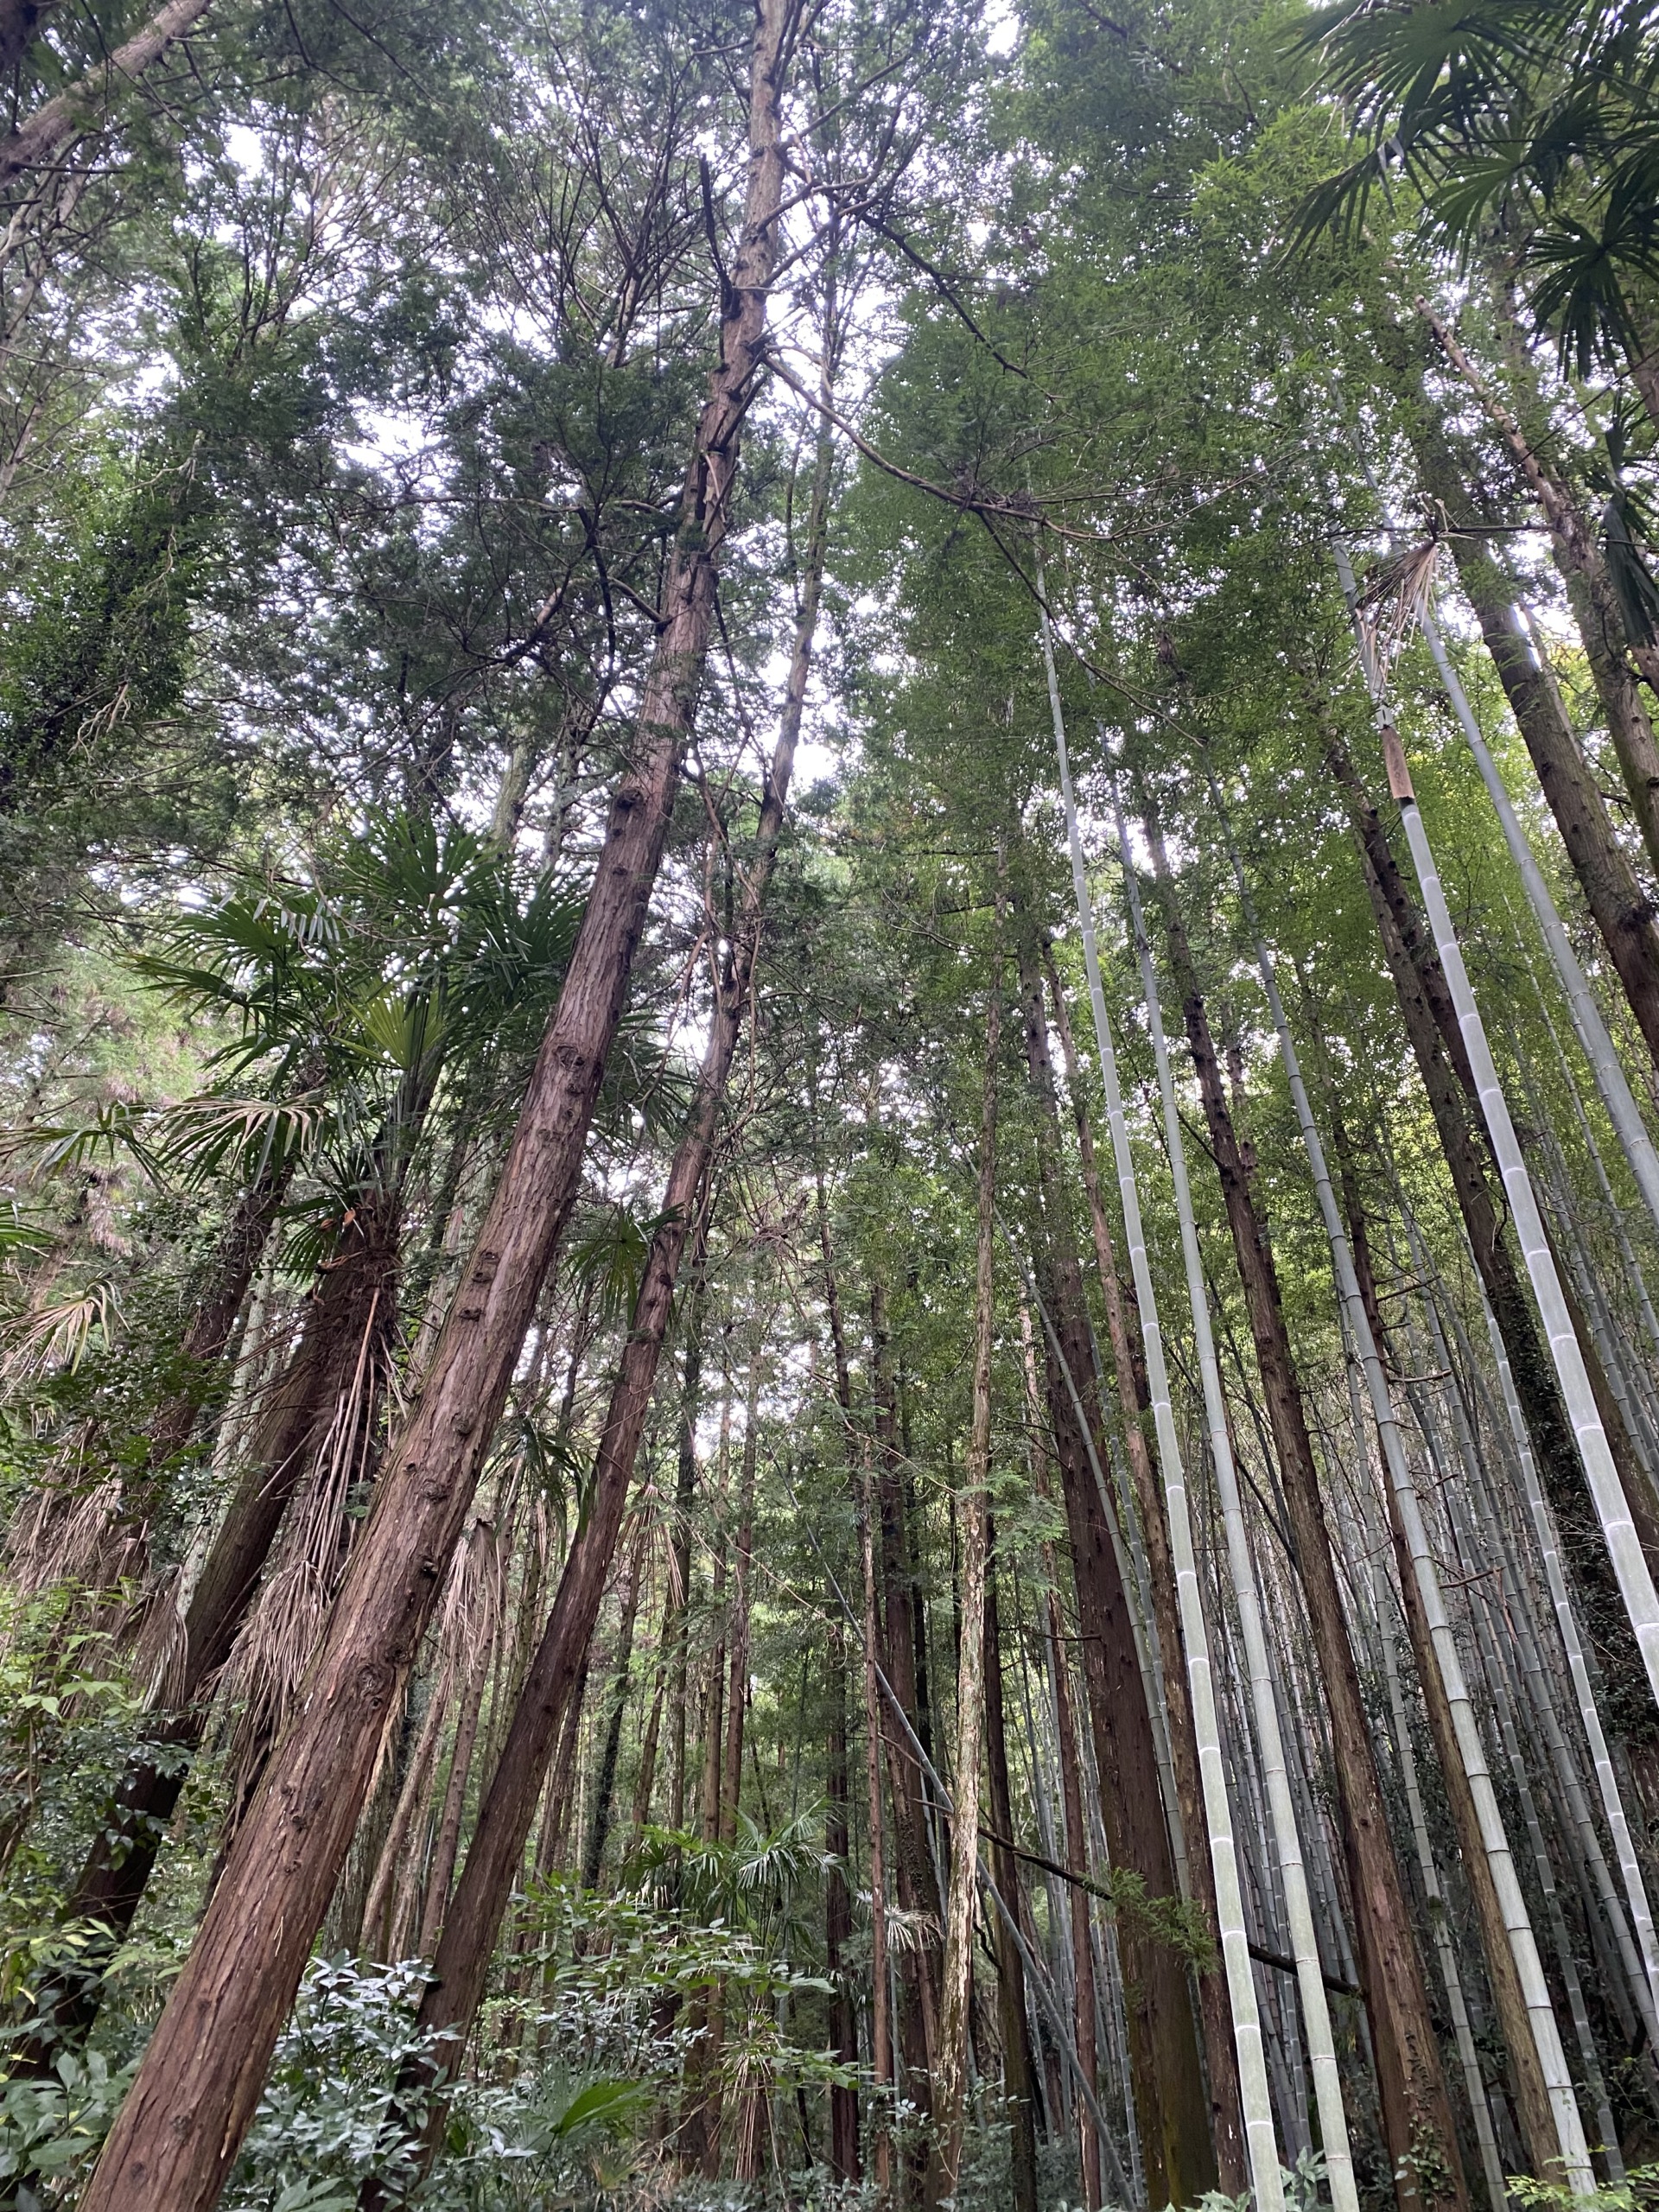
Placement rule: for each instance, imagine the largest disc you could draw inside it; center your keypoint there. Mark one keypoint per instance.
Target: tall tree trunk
(881, 2070)
(1416, 2109)
(962, 1908)
(1635, 1139)
(446, 1842)
(241, 1248)
(1084, 1991)
(1168, 2084)
(913, 1868)
(737, 1687)
(845, 2164)
(190, 2106)
(509, 1808)
(1018, 2068)
(379, 1907)
(1431, 1026)
(676, 1629)
(1261, 2133)
(1623, 913)
(598, 1826)
(1128, 1367)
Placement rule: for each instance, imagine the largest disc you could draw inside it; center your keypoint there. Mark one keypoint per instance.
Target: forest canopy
(828, 1071)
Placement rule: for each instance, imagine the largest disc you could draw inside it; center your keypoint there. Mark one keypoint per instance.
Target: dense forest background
(829, 1043)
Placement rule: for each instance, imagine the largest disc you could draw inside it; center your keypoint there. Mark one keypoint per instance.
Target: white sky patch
(390, 434)
(1003, 28)
(245, 147)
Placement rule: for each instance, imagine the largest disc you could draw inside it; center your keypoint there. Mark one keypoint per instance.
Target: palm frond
(52, 1147)
(209, 1135)
(55, 1336)
(24, 1238)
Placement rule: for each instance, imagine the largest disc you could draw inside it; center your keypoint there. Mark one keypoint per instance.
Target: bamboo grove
(828, 1060)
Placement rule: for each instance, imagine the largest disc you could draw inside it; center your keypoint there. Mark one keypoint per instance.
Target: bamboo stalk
(1261, 2140)
(1316, 2017)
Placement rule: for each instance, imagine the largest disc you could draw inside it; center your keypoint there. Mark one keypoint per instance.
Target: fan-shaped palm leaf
(55, 1336)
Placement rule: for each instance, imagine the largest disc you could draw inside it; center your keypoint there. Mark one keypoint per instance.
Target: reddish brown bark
(1076, 1860)
(1168, 2080)
(446, 1842)
(844, 2161)
(1590, 589)
(196, 2091)
(912, 1864)
(1128, 1368)
(1411, 2082)
(509, 1806)
(1019, 2071)
(206, 1338)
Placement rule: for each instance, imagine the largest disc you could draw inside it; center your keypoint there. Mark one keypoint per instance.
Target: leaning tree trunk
(349, 1328)
(196, 2091)
(1411, 2083)
(58, 122)
(1634, 1581)
(1612, 1082)
(208, 1334)
(1590, 590)
(509, 1806)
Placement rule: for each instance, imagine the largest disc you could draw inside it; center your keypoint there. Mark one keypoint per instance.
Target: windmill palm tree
(414, 973)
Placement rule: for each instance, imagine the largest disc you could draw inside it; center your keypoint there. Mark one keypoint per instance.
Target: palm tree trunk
(350, 1326)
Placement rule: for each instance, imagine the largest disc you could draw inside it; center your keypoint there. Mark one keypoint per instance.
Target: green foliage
(1639, 2187)
(1528, 117)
